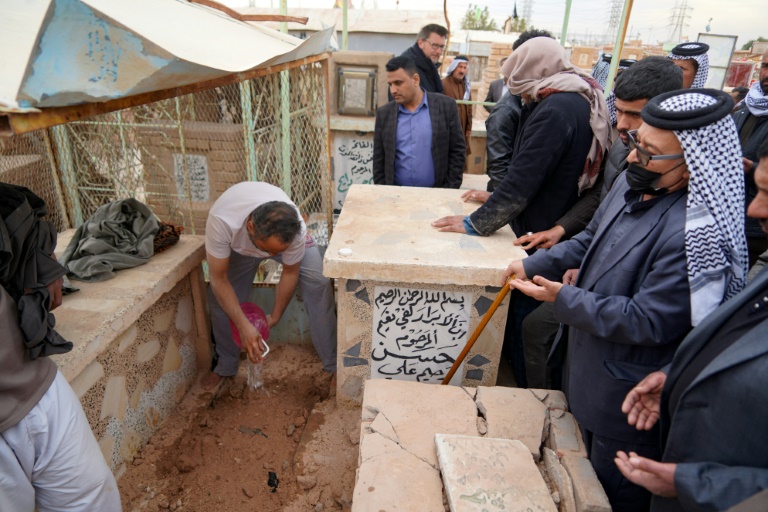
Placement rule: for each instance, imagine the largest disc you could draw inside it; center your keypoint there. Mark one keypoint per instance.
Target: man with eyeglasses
(663, 250)
(249, 222)
(426, 52)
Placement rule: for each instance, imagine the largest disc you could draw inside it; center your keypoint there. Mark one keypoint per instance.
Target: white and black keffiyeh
(468, 85)
(698, 52)
(600, 71)
(756, 101)
(715, 243)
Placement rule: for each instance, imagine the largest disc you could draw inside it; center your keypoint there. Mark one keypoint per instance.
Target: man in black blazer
(496, 89)
(708, 402)
(417, 140)
(425, 53)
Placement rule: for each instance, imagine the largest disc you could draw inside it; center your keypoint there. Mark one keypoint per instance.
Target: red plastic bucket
(258, 319)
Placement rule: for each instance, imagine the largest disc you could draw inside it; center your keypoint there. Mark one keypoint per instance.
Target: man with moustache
(662, 252)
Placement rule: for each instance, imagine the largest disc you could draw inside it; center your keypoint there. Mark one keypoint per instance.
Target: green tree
(748, 44)
(478, 19)
(515, 25)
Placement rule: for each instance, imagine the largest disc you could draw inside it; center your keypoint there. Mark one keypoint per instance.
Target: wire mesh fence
(178, 155)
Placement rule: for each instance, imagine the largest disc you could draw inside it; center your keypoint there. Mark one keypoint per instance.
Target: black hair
(762, 151)
(741, 92)
(648, 78)
(530, 34)
(276, 218)
(407, 64)
(432, 28)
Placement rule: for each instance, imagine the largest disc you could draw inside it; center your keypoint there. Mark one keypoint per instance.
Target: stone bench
(139, 341)
(486, 446)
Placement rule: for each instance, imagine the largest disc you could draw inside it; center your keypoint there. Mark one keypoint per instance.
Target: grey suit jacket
(717, 434)
(448, 143)
(627, 313)
(495, 91)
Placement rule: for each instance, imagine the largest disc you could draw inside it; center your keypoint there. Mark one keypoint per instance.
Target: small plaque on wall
(357, 91)
(192, 179)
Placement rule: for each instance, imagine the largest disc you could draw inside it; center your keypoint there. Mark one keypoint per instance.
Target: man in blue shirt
(418, 140)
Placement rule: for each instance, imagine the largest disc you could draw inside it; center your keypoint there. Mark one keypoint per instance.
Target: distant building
(367, 29)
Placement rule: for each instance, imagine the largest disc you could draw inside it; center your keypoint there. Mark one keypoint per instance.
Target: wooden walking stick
(486, 318)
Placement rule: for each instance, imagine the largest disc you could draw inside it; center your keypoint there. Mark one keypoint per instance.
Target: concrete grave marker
(418, 334)
(488, 475)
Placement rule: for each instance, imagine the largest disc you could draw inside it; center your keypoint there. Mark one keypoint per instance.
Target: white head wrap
(698, 52)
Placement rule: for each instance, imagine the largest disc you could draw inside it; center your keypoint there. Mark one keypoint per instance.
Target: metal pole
(618, 46)
(68, 173)
(285, 114)
(246, 103)
(565, 22)
(344, 33)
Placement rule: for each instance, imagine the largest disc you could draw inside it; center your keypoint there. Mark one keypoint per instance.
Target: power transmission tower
(527, 11)
(614, 17)
(678, 22)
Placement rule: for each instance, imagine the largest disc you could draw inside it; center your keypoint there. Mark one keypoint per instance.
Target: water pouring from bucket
(258, 319)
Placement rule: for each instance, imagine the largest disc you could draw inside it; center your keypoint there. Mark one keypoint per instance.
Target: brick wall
(491, 73)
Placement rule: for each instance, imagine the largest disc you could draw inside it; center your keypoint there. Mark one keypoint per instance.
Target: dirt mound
(219, 450)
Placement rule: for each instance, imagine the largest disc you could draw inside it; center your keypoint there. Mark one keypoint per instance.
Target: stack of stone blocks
(439, 448)
(492, 72)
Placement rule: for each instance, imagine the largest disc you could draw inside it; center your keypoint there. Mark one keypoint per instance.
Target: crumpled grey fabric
(118, 235)
(27, 267)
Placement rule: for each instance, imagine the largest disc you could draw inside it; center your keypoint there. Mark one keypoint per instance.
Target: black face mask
(644, 181)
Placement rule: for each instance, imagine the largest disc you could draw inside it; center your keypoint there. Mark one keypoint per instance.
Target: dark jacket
(448, 143)
(717, 433)
(628, 311)
(501, 130)
(577, 218)
(495, 93)
(541, 183)
(430, 78)
(749, 150)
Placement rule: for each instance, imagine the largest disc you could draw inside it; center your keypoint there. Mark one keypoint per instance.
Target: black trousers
(623, 495)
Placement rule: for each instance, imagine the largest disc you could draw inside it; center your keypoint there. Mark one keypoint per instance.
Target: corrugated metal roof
(358, 20)
(68, 52)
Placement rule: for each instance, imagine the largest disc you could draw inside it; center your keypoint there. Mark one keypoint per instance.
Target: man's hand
(453, 223)
(515, 269)
(542, 239)
(657, 477)
(480, 196)
(252, 343)
(748, 164)
(272, 320)
(643, 403)
(538, 288)
(54, 289)
(570, 276)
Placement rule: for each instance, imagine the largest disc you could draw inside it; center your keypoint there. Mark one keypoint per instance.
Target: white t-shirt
(225, 229)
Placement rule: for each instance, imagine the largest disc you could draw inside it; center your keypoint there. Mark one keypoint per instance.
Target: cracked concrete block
(554, 400)
(564, 435)
(560, 479)
(382, 426)
(482, 474)
(419, 411)
(392, 479)
(513, 414)
(589, 494)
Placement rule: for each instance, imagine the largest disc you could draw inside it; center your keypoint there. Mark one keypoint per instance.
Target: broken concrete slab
(416, 412)
(390, 478)
(560, 480)
(482, 474)
(554, 400)
(513, 413)
(565, 435)
(589, 494)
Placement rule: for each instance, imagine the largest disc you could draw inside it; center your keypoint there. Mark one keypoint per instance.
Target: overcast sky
(649, 18)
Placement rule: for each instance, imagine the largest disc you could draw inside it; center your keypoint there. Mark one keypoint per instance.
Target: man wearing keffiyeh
(663, 250)
(694, 61)
(752, 123)
(456, 85)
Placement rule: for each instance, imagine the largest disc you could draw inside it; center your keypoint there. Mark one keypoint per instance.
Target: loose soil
(215, 453)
